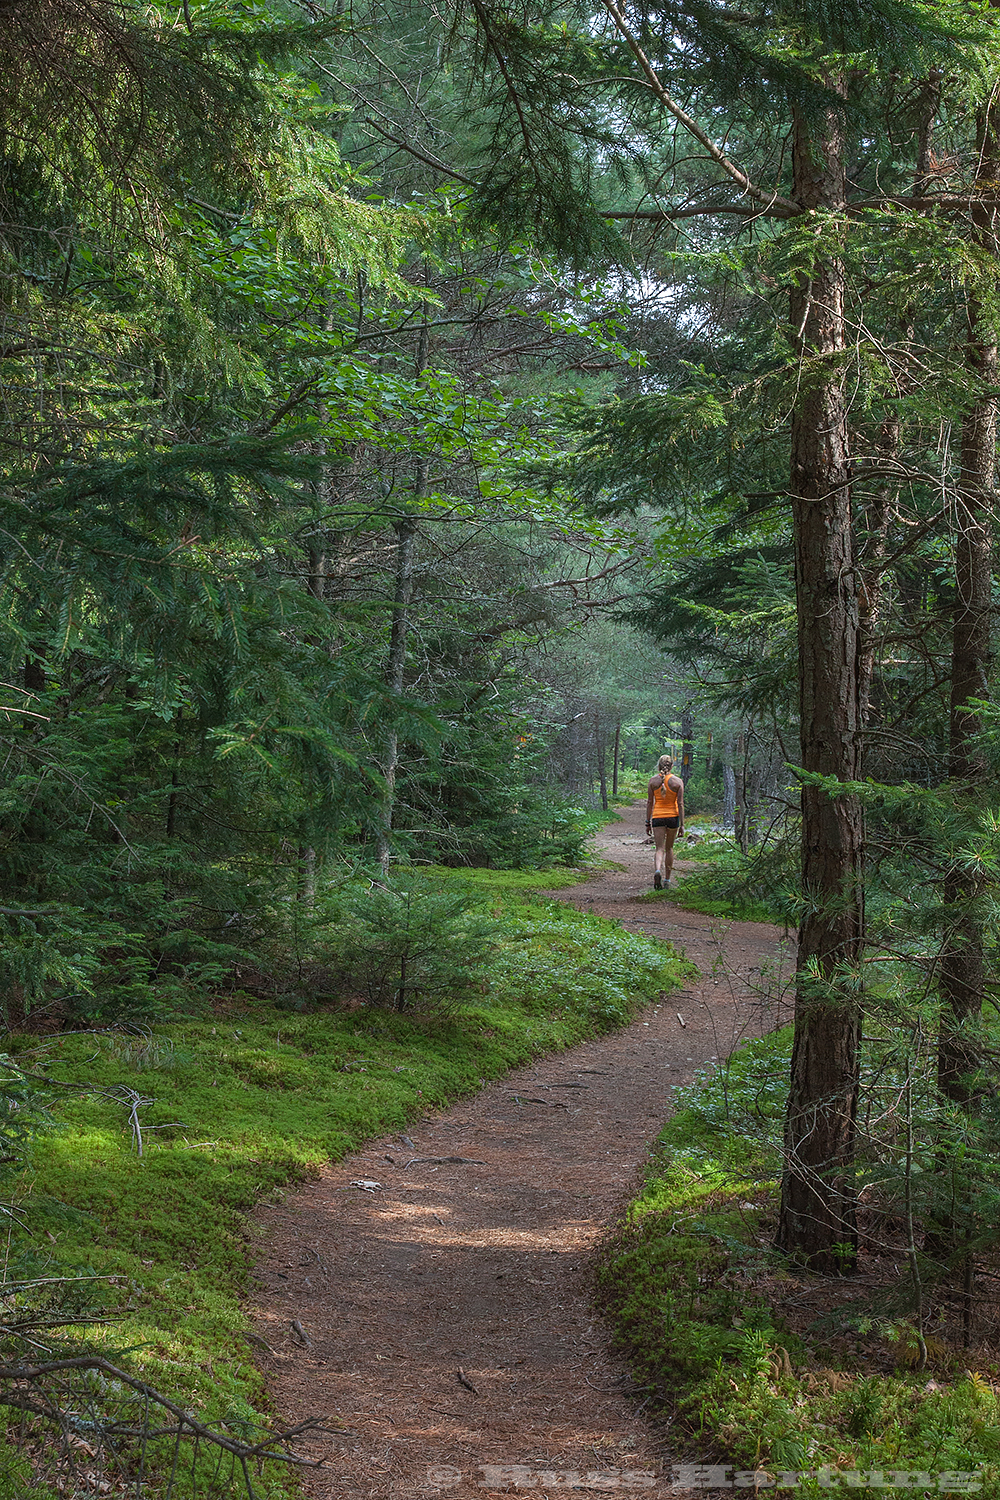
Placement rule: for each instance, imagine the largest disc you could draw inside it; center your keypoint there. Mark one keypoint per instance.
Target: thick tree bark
(818, 1222)
(614, 771)
(962, 964)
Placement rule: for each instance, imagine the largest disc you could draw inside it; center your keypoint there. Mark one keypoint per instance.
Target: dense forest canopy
(415, 419)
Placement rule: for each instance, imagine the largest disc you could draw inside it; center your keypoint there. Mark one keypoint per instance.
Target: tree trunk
(34, 673)
(962, 963)
(759, 787)
(818, 1221)
(306, 883)
(687, 742)
(740, 809)
(406, 532)
(600, 750)
(871, 570)
(728, 797)
(614, 769)
(728, 787)
(175, 780)
(871, 562)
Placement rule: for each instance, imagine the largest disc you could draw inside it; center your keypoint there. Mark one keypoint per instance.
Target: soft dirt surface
(446, 1311)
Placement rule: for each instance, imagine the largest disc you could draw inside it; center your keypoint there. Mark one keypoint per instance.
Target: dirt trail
(484, 1268)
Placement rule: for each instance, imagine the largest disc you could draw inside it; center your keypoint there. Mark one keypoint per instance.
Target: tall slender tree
(817, 1202)
(962, 961)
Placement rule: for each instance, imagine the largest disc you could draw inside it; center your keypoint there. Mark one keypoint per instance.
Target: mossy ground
(694, 1290)
(727, 883)
(247, 1096)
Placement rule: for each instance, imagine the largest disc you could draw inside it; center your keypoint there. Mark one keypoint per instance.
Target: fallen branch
(46, 1389)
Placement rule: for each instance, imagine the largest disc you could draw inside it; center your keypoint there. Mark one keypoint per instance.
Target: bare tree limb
(14, 1378)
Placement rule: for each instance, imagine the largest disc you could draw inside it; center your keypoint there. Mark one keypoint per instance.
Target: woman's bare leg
(668, 851)
(660, 842)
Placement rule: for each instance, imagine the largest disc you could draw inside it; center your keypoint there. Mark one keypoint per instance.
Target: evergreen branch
(697, 211)
(299, 394)
(212, 208)
(512, 93)
(429, 161)
(67, 775)
(922, 202)
(771, 202)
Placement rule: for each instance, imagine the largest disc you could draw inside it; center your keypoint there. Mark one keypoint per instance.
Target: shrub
(407, 948)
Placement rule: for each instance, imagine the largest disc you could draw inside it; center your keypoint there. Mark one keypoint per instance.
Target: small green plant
(696, 1294)
(410, 948)
(757, 887)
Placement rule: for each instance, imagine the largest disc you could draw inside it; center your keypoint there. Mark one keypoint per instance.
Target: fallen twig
(444, 1410)
(463, 1379)
(260, 1343)
(321, 1263)
(440, 1161)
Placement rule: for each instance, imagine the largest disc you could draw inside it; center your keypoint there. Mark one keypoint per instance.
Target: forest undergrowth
(143, 1147)
(759, 1366)
(758, 886)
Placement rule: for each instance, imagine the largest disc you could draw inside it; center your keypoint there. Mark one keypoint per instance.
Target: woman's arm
(649, 808)
(680, 807)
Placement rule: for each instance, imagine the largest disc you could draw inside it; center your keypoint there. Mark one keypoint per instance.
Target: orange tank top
(665, 801)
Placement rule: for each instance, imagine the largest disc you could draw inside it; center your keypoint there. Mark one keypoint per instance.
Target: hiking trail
(484, 1268)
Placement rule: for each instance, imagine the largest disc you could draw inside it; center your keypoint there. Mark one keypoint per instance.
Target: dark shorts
(665, 822)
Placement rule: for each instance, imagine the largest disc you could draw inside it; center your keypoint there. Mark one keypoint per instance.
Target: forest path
(485, 1268)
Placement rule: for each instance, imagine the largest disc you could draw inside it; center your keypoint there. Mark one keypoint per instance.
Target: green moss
(16, 1477)
(687, 893)
(252, 1098)
(675, 1278)
(501, 881)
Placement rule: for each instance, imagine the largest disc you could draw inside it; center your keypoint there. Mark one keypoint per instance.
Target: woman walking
(664, 818)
